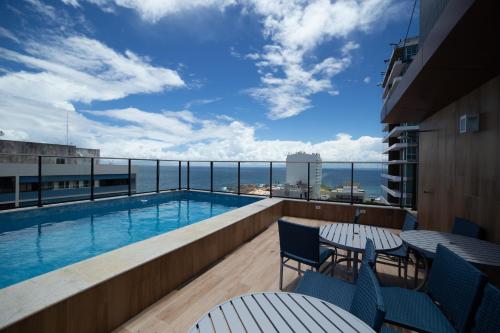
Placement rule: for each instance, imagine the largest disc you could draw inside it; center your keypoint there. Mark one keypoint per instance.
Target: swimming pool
(38, 241)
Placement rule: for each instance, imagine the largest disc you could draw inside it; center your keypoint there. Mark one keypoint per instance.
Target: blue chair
(300, 243)
(452, 293)
(370, 255)
(401, 254)
(465, 227)
(363, 299)
(488, 315)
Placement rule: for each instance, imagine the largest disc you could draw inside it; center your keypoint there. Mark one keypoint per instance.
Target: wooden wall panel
(383, 216)
(459, 174)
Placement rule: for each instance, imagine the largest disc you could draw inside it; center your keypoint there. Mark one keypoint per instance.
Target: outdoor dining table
(352, 237)
(475, 251)
(278, 312)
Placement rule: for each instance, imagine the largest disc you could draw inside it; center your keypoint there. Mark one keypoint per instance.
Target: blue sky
(218, 79)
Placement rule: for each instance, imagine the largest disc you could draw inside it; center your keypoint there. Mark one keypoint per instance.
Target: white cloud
(293, 28)
(367, 79)
(78, 69)
(8, 34)
(205, 101)
(168, 135)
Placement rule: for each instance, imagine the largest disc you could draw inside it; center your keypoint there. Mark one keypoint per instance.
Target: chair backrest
(369, 256)
(465, 227)
(488, 315)
(299, 240)
(357, 214)
(456, 285)
(410, 222)
(368, 304)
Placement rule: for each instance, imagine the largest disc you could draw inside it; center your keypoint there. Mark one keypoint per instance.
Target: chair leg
(399, 267)
(406, 271)
(416, 269)
(299, 269)
(281, 274)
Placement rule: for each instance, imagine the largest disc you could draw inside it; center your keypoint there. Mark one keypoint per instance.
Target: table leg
(426, 269)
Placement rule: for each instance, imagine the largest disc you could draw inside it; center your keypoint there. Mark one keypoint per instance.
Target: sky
(199, 79)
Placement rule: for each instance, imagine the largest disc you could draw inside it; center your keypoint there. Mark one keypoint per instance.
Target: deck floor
(251, 268)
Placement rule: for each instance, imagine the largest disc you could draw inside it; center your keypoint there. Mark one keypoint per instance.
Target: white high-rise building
(296, 172)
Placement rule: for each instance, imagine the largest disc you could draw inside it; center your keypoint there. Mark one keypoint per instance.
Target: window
(7, 184)
(60, 160)
(113, 182)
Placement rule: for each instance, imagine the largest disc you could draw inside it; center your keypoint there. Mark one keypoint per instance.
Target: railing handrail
(197, 161)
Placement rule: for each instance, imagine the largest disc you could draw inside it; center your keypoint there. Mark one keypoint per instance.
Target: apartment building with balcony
(452, 90)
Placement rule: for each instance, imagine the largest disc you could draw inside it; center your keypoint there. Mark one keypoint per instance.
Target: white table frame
(352, 237)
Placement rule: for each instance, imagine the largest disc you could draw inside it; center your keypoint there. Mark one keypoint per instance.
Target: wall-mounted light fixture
(469, 123)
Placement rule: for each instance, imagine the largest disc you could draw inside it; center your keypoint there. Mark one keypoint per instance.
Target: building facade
(454, 76)
(298, 167)
(65, 173)
(401, 138)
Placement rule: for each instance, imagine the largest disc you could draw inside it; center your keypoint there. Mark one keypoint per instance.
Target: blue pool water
(38, 241)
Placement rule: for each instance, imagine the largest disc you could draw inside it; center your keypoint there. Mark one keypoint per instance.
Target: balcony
(398, 130)
(457, 56)
(399, 146)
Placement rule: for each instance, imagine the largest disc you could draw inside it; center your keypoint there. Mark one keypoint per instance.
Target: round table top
(471, 249)
(278, 312)
(353, 237)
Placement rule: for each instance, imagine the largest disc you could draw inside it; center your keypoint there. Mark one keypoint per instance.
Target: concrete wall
(459, 174)
(36, 148)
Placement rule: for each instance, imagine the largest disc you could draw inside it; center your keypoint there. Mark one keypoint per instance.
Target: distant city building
(343, 193)
(402, 138)
(65, 173)
(297, 184)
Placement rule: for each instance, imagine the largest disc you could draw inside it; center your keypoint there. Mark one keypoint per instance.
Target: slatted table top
(353, 237)
(278, 312)
(471, 249)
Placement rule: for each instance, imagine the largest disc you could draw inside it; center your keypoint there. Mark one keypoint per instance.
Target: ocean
(226, 177)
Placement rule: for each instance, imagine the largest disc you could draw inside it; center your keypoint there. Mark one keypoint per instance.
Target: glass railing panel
(199, 176)
(368, 181)
(254, 178)
(63, 179)
(226, 177)
(16, 170)
(290, 180)
(335, 184)
(144, 173)
(111, 177)
(169, 175)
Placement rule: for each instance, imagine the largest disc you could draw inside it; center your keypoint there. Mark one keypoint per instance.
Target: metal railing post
(308, 180)
(239, 177)
(401, 186)
(180, 175)
(39, 181)
(270, 179)
(211, 176)
(187, 176)
(414, 187)
(157, 176)
(352, 183)
(92, 181)
(129, 177)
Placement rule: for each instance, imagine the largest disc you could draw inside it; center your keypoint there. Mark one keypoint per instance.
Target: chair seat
(324, 253)
(414, 310)
(330, 289)
(400, 252)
